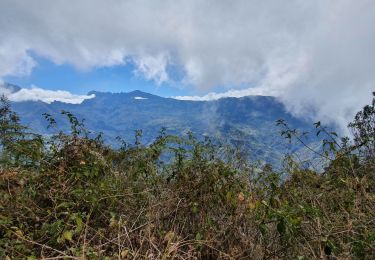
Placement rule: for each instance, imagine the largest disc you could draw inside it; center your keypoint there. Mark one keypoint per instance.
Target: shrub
(71, 196)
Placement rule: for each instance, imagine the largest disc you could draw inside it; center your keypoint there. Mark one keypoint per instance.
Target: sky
(317, 57)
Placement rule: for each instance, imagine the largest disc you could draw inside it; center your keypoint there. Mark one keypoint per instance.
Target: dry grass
(71, 197)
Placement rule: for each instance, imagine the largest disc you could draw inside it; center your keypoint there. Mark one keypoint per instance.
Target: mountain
(7, 88)
(246, 122)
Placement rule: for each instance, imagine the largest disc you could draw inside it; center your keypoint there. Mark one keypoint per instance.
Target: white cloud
(4, 91)
(47, 96)
(316, 56)
(153, 67)
(140, 98)
(231, 93)
(14, 59)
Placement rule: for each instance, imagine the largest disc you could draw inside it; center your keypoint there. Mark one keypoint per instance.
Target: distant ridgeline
(248, 123)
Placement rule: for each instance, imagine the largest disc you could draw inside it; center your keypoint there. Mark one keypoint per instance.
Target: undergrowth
(70, 196)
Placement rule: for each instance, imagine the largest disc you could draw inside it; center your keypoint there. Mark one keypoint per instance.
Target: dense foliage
(71, 196)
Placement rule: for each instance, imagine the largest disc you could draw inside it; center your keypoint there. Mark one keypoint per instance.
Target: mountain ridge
(247, 121)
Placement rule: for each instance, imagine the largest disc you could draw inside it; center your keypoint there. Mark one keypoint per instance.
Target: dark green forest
(71, 196)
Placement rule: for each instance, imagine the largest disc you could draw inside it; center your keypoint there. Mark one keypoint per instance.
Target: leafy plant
(69, 195)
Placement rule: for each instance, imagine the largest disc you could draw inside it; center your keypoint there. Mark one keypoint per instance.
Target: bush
(71, 196)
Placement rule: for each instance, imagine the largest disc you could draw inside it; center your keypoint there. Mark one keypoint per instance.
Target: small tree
(363, 129)
(16, 144)
(10, 128)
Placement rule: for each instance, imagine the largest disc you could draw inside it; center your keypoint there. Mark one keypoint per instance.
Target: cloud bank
(316, 56)
(47, 96)
(39, 94)
(231, 93)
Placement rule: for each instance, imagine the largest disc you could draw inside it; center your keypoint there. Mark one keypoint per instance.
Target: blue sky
(117, 78)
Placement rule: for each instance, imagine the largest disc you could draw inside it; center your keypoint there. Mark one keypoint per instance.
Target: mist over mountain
(247, 122)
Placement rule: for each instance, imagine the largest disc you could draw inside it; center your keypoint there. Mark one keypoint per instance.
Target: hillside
(248, 122)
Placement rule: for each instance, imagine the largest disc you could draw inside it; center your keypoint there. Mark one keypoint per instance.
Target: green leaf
(194, 208)
(281, 227)
(263, 229)
(79, 223)
(68, 235)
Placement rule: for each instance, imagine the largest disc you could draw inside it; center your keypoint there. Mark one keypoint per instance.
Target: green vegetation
(70, 196)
